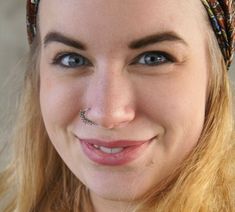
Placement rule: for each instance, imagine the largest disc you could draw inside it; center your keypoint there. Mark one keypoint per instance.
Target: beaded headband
(220, 12)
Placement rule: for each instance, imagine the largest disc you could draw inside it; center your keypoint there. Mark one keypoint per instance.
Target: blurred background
(13, 53)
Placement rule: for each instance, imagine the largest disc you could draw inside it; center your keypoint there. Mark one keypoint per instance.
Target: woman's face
(142, 69)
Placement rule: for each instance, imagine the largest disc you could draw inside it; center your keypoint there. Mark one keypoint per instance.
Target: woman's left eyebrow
(168, 36)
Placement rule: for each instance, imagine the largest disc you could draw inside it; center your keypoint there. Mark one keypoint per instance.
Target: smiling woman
(126, 107)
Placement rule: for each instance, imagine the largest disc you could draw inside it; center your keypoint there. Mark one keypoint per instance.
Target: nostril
(108, 119)
(123, 124)
(112, 123)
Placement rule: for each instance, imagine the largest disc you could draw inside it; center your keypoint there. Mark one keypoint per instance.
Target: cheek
(178, 105)
(59, 100)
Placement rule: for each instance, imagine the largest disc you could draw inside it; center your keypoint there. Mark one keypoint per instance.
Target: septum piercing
(84, 118)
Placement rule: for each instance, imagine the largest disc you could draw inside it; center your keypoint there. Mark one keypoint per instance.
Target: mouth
(113, 153)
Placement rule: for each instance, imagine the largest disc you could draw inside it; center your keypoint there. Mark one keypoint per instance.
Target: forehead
(117, 19)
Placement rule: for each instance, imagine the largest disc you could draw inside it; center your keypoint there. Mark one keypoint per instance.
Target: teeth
(109, 150)
(96, 146)
(106, 150)
(116, 150)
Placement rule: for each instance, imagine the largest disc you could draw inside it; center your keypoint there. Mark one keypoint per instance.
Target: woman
(126, 107)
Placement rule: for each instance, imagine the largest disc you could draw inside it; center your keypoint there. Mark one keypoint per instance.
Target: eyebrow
(169, 36)
(60, 38)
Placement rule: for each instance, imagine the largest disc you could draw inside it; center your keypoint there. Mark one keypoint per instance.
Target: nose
(110, 97)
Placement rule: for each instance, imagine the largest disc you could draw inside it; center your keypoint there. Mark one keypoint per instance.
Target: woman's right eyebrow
(60, 38)
(168, 36)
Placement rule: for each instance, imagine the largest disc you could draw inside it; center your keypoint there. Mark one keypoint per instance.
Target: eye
(70, 60)
(154, 58)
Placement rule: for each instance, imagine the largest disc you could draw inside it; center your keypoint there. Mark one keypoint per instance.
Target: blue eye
(70, 60)
(154, 58)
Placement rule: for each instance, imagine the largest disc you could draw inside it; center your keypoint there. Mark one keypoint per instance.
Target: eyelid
(168, 56)
(60, 55)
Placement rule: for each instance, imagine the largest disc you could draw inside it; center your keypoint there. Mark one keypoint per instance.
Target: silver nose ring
(83, 117)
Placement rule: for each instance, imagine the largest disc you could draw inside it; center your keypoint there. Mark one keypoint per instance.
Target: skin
(127, 101)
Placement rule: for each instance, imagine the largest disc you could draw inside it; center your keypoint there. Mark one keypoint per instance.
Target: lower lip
(126, 156)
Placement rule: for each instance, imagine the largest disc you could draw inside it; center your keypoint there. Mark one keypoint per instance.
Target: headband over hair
(220, 12)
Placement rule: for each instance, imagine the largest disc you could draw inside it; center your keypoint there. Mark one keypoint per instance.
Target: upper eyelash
(60, 55)
(168, 56)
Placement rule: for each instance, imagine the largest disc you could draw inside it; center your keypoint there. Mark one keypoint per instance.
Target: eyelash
(162, 56)
(58, 59)
(167, 58)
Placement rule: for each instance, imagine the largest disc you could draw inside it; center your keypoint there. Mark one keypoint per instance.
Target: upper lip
(116, 143)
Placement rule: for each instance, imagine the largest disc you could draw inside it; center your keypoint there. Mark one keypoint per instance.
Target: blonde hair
(39, 180)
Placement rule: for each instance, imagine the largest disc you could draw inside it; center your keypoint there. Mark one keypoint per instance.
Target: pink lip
(113, 144)
(132, 150)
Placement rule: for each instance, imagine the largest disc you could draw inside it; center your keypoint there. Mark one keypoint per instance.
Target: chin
(118, 192)
(122, 185)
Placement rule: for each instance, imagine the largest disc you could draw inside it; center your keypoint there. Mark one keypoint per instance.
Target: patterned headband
(221, 14)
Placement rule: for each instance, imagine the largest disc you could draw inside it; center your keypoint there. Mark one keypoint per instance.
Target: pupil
(74, 61)
(152, 59)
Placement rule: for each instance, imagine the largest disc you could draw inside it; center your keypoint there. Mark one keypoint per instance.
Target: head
(146, 75)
